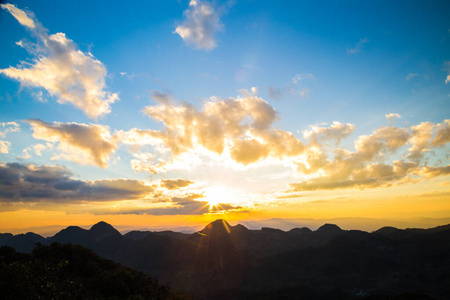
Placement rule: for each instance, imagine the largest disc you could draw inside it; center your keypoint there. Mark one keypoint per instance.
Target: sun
(217, 195)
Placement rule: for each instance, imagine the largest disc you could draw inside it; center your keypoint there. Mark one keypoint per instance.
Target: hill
(73, 272)
(232, 262)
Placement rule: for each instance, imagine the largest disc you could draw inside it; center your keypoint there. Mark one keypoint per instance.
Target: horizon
(175, 114)
(363, 224)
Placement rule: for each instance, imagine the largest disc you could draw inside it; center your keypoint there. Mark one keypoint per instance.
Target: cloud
(4, 147)
(240, 127)
(20, 15)
(335, 131)
(31, 183)
(391, 117)
(290, 196)
(300, 77)
(420, 140)
(370, 176)
(37, 149)
(411, 76)
(442, 136)
(275, 93)
(200, 25)
(382, 140)
(62, 69)
(27, 185)
(7, 127)
(431, 172)
(447, 67)
(291, 89)
(175, 184)
(188, 204)
(365, 168)
(358, 47)
(86, 144)
(161, 98)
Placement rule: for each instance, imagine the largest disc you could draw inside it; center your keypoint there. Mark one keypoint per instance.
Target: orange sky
(175, 121)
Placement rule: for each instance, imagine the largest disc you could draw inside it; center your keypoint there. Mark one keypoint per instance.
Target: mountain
(233, 262)
(21, 242)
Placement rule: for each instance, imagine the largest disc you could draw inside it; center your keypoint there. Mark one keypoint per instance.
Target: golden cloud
(175, 184)
(239, 126)
(363, 168)
(87, 144)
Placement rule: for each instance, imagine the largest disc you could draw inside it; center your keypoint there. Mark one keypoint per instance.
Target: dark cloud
(186, 205)
(324, 184)
(275, 93)
(30, 183)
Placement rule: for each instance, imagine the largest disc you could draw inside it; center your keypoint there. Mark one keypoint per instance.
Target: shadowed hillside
(232, 262)
(73, 272)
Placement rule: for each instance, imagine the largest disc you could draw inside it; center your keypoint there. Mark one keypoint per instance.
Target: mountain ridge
(233, 262)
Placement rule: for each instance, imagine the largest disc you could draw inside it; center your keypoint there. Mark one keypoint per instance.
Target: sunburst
(217, 195)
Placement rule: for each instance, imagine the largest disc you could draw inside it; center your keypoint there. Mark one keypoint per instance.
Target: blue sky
(375, 68)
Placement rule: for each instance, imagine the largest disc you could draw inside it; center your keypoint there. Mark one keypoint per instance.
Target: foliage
(73, 272)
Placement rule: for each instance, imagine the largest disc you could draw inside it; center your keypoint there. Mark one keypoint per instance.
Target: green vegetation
(73, 272)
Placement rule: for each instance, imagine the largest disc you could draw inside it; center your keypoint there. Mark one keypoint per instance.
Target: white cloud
(37, 149)
(200, 25)
(358, 47)
(411, 76)
(300, 77)
(391, 117)
(62, 69)
(7, 127)
(291, 89)
(39, 96)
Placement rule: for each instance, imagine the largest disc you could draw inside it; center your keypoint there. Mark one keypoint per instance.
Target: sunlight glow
(216, 195)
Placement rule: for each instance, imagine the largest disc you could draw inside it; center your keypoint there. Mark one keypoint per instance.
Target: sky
(163, 114)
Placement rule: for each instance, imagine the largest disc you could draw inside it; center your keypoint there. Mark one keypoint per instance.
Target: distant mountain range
(232, 262)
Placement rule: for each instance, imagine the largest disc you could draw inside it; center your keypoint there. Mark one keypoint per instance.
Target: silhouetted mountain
(232, 262)
(103, 230)
(329, 229)
(22, 242)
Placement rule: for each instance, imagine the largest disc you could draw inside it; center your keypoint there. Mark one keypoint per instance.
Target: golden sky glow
(95, 126)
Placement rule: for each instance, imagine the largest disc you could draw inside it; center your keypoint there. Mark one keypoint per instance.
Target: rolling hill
(232, 262)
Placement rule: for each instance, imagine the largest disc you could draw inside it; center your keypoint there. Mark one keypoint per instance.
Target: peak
(387, 230)
(329, 228)
(219, 222)
(101, 224)
(240, 227)
(217, 226)
(104, 228)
